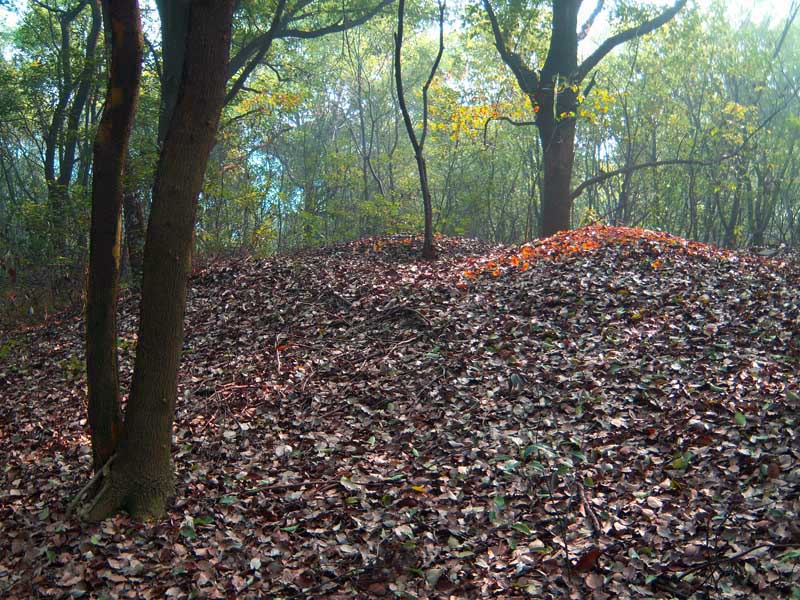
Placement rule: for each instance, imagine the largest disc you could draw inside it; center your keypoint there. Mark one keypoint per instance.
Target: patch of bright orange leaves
(585, 240)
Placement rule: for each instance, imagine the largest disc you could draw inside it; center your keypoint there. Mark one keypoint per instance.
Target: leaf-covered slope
(609, 413)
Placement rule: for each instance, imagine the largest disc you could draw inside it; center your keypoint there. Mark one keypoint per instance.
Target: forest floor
(608, 413)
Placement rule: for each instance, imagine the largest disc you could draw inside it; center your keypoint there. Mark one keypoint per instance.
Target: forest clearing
(605, 413)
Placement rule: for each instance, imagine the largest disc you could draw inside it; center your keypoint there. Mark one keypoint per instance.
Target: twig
(88, 510)
(336, 581)
(727, 559)
(587, 507)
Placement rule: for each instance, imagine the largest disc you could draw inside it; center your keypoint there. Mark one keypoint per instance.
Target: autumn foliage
(616, 419)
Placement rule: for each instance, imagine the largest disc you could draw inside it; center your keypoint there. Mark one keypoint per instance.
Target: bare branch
(793, 10)
(604, 175)
(507, 120)
(260, 54)
(434, 68)
(155, 57)
(398, 77)
(343, 25)
(615, 40)
(241, 58)
(685, 161)
(587, 26)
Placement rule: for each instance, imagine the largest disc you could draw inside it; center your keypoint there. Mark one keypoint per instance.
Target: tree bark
(110, 147)
(141, 479)
(556, 124)
(174, 17)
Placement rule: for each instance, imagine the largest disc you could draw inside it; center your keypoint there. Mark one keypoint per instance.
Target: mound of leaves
(607, 413)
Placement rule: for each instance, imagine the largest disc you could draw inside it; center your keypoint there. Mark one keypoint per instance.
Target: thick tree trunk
(174, 16)
(141, 479)
(556, 124)
(110, 147)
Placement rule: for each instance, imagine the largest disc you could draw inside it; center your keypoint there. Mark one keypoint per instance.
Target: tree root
(105, 473)
(141, 496)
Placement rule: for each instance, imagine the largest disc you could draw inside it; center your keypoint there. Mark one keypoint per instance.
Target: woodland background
(312, 151)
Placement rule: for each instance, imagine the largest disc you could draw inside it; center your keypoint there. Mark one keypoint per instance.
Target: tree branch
(648, 165)
(793, 10)
(528, 80)
(157, 62)
(587, 26)
(241, 58)
(398, 77)
(615, 40)
(507, 120)
(434, 68)
(268, 38)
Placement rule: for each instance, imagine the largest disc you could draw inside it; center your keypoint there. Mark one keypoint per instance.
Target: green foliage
(310, 152)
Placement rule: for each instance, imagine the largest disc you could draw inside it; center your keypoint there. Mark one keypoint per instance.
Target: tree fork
(141, 479)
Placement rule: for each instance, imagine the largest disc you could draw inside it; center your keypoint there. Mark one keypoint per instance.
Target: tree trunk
(110, 147)
(428, 249)
(174, 17)
(556, 124)
(141, 479)
(60, 145)
(554, 93)
(418, 144)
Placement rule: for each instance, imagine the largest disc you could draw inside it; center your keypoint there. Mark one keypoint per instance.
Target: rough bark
(556, 125)
(141, 479)
(110, 146)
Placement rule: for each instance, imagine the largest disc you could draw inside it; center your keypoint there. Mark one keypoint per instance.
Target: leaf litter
(606, 413)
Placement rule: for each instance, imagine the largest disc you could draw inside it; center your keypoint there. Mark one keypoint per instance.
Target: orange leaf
(497, 273)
